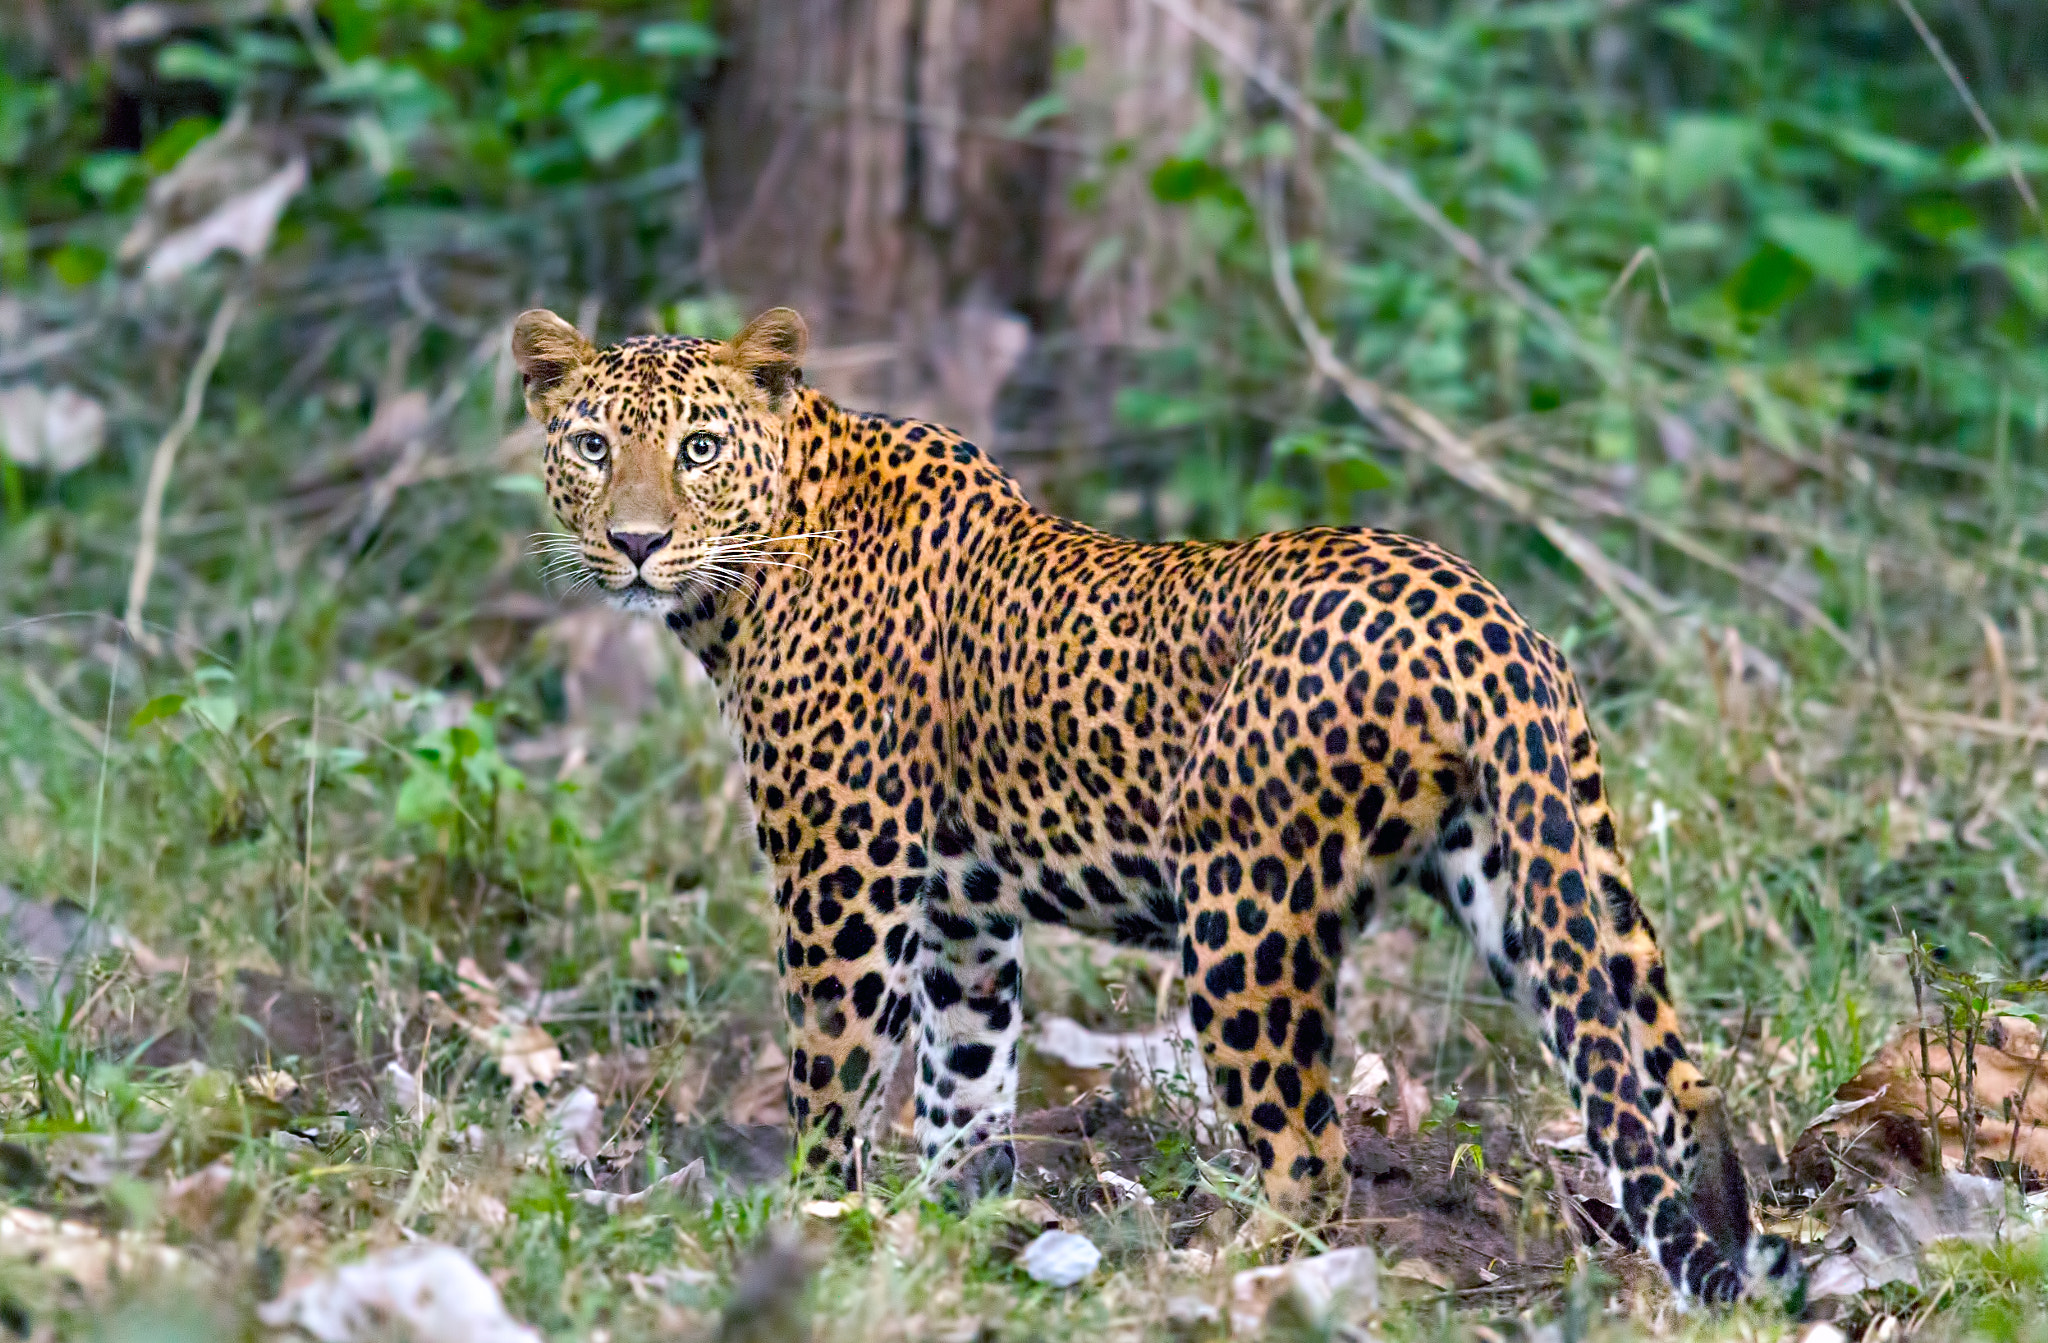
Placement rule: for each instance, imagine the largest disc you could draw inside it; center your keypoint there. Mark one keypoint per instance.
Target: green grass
(477, 774)
(366, 745)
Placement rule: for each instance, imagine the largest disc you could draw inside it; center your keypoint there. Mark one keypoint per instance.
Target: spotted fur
(959, 713)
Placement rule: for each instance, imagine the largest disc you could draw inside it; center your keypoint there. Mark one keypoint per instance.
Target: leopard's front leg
(847, 877)
(970, 1014)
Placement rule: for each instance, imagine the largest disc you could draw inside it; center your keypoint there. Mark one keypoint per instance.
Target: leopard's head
(665, 454)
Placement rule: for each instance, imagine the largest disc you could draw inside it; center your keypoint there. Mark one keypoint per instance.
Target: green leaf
(1832, 246)
(201, 64)
(1698, 24)
(1901, 160)
(158, 709)
(76, 264)
(607, 132)
(1704, 150)
(1771, 278)
(1036, 113)
(218, 711)
(176, 141)
(1179, 180)
(520, 482)
(425, 799)
(1941, 218)
(677, 37)
(2026, 268)
(1986, 163)
(104, 174)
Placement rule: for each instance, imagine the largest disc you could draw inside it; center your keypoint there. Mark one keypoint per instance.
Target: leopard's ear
(771, 351)
(547, 350)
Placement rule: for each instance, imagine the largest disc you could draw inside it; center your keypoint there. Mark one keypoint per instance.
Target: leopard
(959, 714)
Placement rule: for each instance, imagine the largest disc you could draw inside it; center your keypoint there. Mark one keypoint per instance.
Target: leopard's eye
(591, 448)
(701, 448)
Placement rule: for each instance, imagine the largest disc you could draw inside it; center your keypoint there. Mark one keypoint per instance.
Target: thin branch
(166, 457)
(1418, 431)
(1392, 181)
(1977, 114)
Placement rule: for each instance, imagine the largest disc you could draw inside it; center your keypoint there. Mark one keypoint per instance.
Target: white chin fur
(642, 601)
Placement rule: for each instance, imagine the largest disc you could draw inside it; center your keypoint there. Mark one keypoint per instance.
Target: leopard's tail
(1576, 950)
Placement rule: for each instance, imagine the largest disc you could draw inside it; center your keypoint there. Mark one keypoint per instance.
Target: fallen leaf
(1421, 1270)
(1164, 1053)
(1367, 1077)
(96, 1158)
(1880, 1238)
(575, 1128)
(192, 1200)
(82, 1253)
(1305, 1293)
(691, 1179)
(1878, 1119)
(1059, 1258)
(1125, 1190)
(761, 1098)
(272, 1084)
(425, 1292)
(58, 430)
(525, 1053)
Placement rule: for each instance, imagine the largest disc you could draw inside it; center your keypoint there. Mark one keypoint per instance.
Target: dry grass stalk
(165, 459)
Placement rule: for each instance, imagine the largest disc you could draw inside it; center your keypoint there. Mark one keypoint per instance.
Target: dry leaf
(1881, 1236)
(424, 1292)
(525, 1053)
(272, 1084)
(1367, 1077)
(192, 1200)
(84, 1254)
(1878, 1121)
(96, 1158)
(762, 1096)
(575, 1128)
(58, 430)
(1304, 1293)
(1421, 1270)
(691, 1179)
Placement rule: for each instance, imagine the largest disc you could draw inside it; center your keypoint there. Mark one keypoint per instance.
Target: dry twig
(1416, 430)
(165, 459)
(1394, 182)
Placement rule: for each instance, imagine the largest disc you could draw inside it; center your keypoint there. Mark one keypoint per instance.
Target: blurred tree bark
(925, 181)
(862, 167)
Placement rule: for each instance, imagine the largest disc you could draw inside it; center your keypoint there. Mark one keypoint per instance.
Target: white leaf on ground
(426, 1293)
(1880, 1238)
(56, 430)
(575, 1128)
(84, 1254)
(1367, 1077)
(402, 1092)
(1304, 1293)
(96, 1158)
(1125, 1190)
(1059, 1258)
(1165, 1053)
(690, 1179)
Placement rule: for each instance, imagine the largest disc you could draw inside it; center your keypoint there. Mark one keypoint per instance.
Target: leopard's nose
(637, 546)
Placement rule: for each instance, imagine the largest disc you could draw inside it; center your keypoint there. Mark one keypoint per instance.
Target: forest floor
(381, 900)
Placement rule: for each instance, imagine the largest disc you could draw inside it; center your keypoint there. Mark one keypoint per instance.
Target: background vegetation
(1714, 330)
